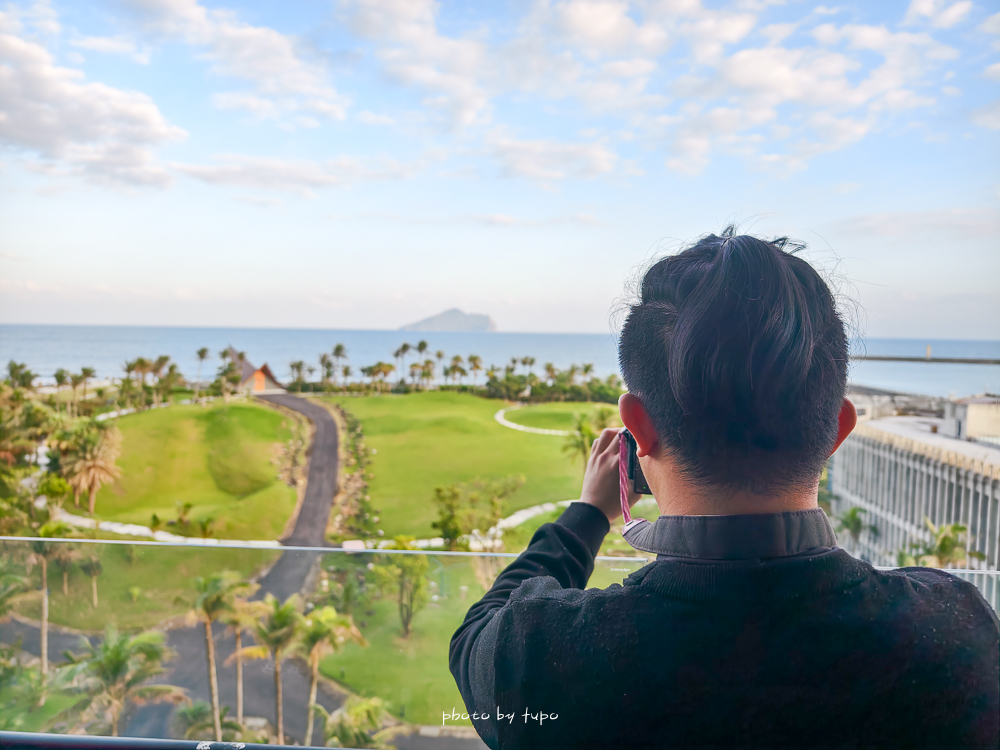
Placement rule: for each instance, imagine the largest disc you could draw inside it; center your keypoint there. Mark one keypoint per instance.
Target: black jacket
(800, 652)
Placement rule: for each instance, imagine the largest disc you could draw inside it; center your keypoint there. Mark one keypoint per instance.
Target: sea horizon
(45, 347)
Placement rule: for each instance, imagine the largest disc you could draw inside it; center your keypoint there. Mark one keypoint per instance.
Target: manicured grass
(219, 458)
(557, 415)
(411, 672)
(161, 574)
(425, 440)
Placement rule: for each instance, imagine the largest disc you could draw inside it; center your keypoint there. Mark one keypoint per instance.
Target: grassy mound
(425, 440)
(240, 441)
(217, 458)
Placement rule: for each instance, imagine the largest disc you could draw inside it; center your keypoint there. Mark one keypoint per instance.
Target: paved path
(288, 575)
(501, 419)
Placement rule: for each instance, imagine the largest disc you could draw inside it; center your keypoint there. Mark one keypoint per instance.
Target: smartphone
(639, 484)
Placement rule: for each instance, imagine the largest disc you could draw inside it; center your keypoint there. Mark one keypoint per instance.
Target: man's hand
(600, 482)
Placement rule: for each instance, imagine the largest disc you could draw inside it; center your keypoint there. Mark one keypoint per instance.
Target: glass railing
(367, 634)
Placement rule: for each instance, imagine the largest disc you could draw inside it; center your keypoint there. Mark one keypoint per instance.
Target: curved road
(288, 576)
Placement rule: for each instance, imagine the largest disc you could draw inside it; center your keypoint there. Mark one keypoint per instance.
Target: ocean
(45, 348)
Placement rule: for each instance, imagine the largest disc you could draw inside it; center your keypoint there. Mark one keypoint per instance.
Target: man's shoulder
(934, 591)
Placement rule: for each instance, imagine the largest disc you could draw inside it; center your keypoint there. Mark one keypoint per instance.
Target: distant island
(454, 320)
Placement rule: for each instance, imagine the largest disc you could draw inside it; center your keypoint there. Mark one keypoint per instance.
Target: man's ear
(847, 421)
(636, 419)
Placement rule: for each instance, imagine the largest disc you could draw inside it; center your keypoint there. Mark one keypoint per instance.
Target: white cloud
(598, 27)
(991, 25)
(416, 54)
(993, 72)
(298, 176)
(113, 45)
(547, 161)
(743, 107)
(79, 128)
(276, 65)
(954, 223)
(370, 118)
(988, 116)
(939, 13)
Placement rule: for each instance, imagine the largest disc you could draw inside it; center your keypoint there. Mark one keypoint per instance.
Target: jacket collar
(761, 536)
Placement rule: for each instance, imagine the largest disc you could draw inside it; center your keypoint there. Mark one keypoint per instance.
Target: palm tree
(852, 522)
(113, 673)
(587, 369)
(415, 370)
(551, 372)
(528, 363)
(86, 373)
(949, 547)
(62, 378)
(75, 380)
(323, 633)
(202, 356)
(12, 589)
(339, 352)
(297, 367)
(346, 372)
(90, 463)
(215, 597)
(404, 349)
(198, 719)
(64, 558)
(276, 634)
(242, 618)
(142, 367)
(326, 365)
(41, 553)
(475, 364)
(92, 567)
(422, 347)
(358, 724)
(440, 358)
(579, 442)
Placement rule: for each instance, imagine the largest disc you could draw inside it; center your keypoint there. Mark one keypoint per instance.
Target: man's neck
(676, 495)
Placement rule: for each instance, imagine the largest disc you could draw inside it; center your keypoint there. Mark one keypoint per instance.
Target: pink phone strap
(623, 475)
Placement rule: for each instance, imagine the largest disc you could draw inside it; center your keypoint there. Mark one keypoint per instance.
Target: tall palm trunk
(313, 684)
(197, 386)
(65, 581)
(45, 619)
(93, 590)
(92, 499)
(213, 680)
(279, 714)
(239, 678)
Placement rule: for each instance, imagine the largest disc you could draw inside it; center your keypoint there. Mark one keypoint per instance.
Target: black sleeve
(564, 550)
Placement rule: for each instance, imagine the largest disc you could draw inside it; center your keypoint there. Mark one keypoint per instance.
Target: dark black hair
(738, 354)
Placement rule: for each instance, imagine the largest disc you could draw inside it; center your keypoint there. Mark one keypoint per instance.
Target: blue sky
(366, 163)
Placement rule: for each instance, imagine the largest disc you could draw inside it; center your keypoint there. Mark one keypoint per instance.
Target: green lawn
(410, 672)
(161, 574)
(425, 440)
(557, 415)
(219, 458)
(413, 672)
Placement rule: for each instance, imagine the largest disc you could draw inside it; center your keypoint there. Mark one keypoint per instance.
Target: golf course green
(427, 440)
(221, 459)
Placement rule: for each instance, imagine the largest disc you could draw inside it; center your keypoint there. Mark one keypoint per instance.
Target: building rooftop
(919, 429)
